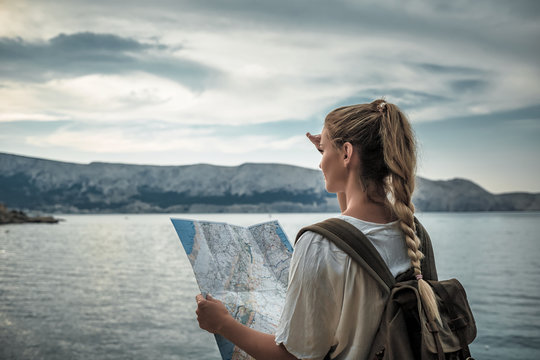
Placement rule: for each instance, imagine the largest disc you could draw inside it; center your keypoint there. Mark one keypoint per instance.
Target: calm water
(120, 286)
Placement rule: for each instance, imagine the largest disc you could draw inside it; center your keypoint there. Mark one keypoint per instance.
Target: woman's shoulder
(316, 260)
(314, 246)
(312, 239)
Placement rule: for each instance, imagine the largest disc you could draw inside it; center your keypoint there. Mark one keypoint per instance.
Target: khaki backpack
(405, 332)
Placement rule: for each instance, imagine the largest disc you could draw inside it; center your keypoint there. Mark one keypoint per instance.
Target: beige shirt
(331, 300)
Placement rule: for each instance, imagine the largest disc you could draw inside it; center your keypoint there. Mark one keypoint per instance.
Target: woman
(333, 307)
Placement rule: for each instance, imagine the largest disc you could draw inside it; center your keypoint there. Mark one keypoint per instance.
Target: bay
(121, 287)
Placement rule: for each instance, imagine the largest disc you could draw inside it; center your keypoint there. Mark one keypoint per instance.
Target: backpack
(404, 332)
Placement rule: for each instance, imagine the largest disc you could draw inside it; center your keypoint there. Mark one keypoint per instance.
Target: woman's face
(332, 164)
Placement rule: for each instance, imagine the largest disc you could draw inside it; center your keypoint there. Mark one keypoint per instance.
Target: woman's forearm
(259, 345)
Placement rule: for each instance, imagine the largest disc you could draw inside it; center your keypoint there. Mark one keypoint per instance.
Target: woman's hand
(315, 140)
(212, 315)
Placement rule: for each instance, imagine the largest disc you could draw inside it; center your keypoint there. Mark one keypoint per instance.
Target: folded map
(246, 268)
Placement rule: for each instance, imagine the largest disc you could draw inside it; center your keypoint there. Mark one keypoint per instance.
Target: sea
(121, 287)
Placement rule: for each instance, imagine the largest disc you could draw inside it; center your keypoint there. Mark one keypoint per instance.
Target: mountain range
(60, 187)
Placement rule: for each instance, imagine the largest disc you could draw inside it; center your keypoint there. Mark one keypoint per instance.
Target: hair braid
(400, 157)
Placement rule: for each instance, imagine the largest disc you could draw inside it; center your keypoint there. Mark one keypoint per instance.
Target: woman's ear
(347, 151)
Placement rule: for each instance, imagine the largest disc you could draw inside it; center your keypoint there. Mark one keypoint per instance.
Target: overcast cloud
(182, 82)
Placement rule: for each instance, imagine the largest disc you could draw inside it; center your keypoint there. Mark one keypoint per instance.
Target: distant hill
(464, 195)
(54, 186)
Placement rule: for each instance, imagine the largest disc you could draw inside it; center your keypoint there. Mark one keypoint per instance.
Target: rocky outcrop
(19, 217)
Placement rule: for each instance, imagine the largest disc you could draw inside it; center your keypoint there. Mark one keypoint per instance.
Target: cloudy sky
(229, 82)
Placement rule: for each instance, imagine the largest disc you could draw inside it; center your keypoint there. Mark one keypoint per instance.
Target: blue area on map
(186, 232)
(283, 238)
(226, 347)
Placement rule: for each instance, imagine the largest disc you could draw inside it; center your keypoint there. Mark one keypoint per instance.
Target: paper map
(245, 268)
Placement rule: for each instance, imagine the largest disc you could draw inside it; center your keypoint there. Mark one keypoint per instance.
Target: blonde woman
(333, 307)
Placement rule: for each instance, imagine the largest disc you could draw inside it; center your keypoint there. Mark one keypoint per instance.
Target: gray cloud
(446, 69)
(500, 25)
(468, 85)
(484, 121)
(407, 99)
(90, 43)
(70, 55)
(525, 9)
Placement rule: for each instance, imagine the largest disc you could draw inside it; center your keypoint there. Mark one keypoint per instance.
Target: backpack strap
(351, 240)
(429, 270)
(433, 328)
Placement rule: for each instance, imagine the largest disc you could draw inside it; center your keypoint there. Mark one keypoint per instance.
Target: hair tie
(381, 107)
(419, 276)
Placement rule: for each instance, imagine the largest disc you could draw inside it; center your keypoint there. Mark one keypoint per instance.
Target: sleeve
(314, 298)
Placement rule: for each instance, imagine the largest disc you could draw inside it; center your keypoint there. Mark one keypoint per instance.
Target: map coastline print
(246, 268)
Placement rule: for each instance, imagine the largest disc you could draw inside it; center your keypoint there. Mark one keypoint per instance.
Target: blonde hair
(385, 141)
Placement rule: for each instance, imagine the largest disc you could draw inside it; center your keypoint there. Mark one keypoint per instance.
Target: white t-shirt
(331, 300)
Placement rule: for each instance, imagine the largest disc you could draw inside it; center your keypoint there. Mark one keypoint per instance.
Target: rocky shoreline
(19, 217)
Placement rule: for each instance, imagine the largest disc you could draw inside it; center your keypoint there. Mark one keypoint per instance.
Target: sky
(230, 82)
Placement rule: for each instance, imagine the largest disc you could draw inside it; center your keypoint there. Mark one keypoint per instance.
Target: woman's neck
(360, 206)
